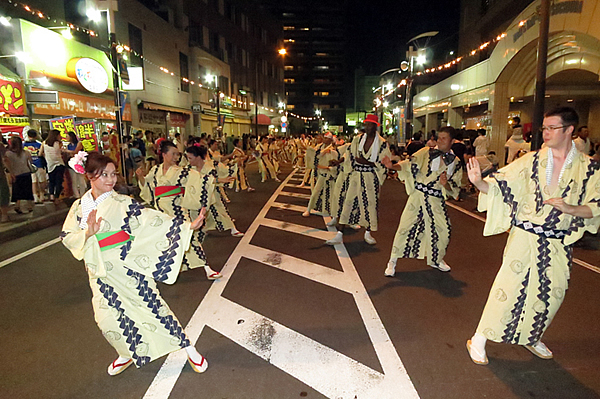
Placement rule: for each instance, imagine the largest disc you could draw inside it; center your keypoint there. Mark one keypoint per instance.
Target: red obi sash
(168, 191)
(113, 239)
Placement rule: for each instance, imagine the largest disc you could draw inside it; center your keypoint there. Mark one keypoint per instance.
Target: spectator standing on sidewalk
(39, 178)
(4, 189)
(17, 162)
(481, 144)
(415, 144)
(582, 141)
(52, 151)
(547, 199)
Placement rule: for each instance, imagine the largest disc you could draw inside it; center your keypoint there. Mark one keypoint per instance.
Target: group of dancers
(547, 199)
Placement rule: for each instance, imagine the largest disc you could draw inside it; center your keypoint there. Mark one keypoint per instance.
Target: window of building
(291, 106)
(321, 54)
(230, 52)
(135, 43)
(289, 41)
(222, 7)
(244, 58)
(214, 41)
(289, 28)
(224, 84)
(230, 11)
(289, 80)
(321, 81)
(288, 14)
(289, 67)
(322, 67)
(321, 93)
(196, 35)
(184, 72)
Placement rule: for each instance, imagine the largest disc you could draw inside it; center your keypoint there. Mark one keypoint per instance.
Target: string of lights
(304, 118)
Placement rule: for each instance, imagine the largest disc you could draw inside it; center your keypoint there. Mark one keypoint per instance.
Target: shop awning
(167, 108)
(262, 120)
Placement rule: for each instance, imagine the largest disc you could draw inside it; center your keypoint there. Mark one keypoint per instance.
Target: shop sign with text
(63, 125)
(11, 97)
(82, 107)
(86, 133)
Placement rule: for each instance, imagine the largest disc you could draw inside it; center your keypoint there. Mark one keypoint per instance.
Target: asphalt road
(294, 318)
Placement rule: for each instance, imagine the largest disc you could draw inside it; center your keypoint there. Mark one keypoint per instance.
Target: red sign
(86, 133)
(11, 98)
(63, 125)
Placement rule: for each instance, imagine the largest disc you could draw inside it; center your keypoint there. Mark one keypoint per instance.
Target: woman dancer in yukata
(128, 248)
(175, 190)
(218, 217)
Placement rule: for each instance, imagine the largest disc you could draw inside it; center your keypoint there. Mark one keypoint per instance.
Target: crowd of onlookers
(35, 170)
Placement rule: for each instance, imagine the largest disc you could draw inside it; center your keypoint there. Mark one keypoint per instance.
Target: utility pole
(540, 80)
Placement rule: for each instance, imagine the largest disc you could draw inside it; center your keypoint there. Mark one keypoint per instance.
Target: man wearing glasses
(547, 199)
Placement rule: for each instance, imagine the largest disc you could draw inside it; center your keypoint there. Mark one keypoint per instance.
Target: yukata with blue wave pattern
(536, 267)
(424, 228)
(128, 307)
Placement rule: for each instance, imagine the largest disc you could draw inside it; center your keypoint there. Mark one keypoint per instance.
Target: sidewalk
(43, 215)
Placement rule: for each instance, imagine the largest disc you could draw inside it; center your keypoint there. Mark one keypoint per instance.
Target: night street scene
(276, 199)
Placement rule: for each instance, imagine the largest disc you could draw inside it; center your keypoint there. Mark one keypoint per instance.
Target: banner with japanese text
(12, 100)
(86, 133)
(63, 125)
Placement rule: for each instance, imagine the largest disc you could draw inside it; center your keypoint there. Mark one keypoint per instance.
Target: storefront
(502, 86)
(79, 74)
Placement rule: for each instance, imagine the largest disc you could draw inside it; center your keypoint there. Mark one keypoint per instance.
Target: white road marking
(291, 207)
(579, 262)
(28, 252)
(295, 195)
(325, 370)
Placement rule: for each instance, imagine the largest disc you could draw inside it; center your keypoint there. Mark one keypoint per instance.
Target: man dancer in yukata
(430, 176)
(370, 156)
(321, 197)
(547, 199)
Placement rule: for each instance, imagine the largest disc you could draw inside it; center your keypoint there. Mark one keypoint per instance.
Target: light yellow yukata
(241, 180)
(135, 248)
(361, 204)
(184, 187)
(341, 182)
(424, 229)
(322, 193)
(264, 163)
(532, 281)
(217, 217)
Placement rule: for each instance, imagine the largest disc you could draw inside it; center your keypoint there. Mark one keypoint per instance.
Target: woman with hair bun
(218, 217)
(127, 248)
(175, 191)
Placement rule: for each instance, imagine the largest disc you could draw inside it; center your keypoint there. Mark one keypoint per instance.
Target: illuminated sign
(11, 98)
(82, 107)
(63, 125)
(89, 73)
(86, 133)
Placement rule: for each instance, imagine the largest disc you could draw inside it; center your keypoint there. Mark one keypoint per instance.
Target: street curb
(27, 227)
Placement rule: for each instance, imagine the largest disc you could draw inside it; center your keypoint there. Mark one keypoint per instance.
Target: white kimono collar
(88, 204)
(374, 147)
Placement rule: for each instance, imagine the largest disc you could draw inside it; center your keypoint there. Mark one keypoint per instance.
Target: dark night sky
(378, 30)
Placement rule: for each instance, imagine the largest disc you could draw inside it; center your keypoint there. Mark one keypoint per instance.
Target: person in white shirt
(516, 143)
(582, 142)
(481, 144)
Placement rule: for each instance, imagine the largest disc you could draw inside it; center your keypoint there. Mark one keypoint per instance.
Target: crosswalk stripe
(324, 369)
